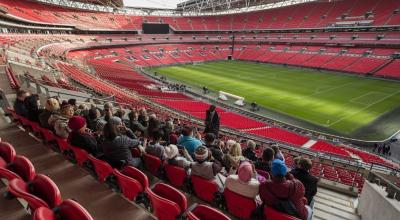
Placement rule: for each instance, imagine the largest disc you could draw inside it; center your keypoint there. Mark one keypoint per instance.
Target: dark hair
(21, 92)
(110, 131)
(72, 101)
(187, 130)
(268, 154)
(154, 124)
(157, 134)
(119, 113)
(93, 113)
(305, 163)
(212, 108)
(209, 138)
(31, 102)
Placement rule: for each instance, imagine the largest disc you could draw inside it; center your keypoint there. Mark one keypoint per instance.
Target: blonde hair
(235, 150)
(52, 104)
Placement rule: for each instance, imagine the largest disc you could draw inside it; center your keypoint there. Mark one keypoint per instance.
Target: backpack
(284, 204)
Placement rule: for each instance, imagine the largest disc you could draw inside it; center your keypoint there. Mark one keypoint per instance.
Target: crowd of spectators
(110, 133)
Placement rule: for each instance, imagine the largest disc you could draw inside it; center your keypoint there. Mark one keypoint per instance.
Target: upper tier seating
(307, 15)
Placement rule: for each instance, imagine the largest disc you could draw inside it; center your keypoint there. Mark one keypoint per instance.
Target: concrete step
(308, 144)
(332, 205)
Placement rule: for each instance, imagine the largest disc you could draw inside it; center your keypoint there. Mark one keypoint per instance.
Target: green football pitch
(339, 102)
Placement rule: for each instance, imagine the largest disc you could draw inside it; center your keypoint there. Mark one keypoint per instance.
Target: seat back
(203, 188)
(44, 213)
(175, 175)
(153, 164)
(44, 188)
(202, 212)
(271, 213)
(35, 126)
(167, 202)
(102, 168)
(23, 167)
(70, 209)
(136, 152)
(81, 155)
(238, 205)
(62, 144)
(20, 189)
(137, 175)
(47, 135)
(7, 152)
(129, 186)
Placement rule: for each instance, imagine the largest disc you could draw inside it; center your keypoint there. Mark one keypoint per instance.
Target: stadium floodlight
(224, 96)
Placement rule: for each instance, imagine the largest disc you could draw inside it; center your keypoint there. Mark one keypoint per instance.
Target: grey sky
(153, 3)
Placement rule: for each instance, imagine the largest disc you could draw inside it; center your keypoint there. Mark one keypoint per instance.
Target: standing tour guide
(212, 121)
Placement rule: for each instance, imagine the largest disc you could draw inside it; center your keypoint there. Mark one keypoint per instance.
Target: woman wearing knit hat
(244, 183)
(174, 158)
(81, 137)
(59, 122)
(203, 166)
(51, 107)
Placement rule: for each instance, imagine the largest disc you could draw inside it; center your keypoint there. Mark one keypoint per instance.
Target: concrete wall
(373, 204)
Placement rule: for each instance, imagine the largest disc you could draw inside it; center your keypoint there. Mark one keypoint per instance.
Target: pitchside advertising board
(154, 28)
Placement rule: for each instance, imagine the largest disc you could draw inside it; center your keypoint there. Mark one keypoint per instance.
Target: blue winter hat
(279, 168)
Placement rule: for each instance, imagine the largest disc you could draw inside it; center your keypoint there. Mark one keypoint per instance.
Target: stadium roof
(110, 3)
(175, 7)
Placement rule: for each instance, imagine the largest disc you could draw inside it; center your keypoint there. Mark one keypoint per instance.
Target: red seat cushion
(238, 205)
(204, 189)
(176, 175)
(202, 212)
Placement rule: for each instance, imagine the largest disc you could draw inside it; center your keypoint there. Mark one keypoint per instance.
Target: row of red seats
(39, 191)
(326, 147)
(166, 201)
(306, 15)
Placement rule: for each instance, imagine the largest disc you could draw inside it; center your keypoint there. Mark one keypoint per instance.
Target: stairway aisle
(330, 205)
(73, 182)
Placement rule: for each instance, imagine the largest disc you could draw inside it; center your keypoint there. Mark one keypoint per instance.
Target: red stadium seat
(102, 168)
(203, 188)
(167, 202)
(20, 168)
(68, 210)
(153, 164)
(47, 135)
(7, 153)
(63, 146)
(81, 156)
(41, 191)
(202, 212)
(271, 213)
(238, 205)
(129, 186)
(175, 175)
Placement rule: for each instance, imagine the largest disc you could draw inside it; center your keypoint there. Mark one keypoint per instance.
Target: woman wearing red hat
(81, 137)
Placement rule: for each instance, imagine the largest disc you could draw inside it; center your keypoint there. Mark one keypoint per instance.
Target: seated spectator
(285, 195)
(302, 173)
(108, 111)
(143, 118)
(155, 148)
(153, 125)
(248, 152)
(121, 126)
(172, 154)
(59, 122)
(228, 145)
(244, 183)
(233, 158)
(205, 167)
(52, 106)
(81, 137)
(212, 146)
(278, 153)
(117, 147)
(96, 123)
(266, 160)
(133, 123)
(19, 105)
(72, 102)
(189, 142)
(169, 134)
(32, 104)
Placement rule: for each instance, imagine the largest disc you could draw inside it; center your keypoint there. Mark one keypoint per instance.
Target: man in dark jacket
(301, 172)
(19, 105)
(212, 121)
